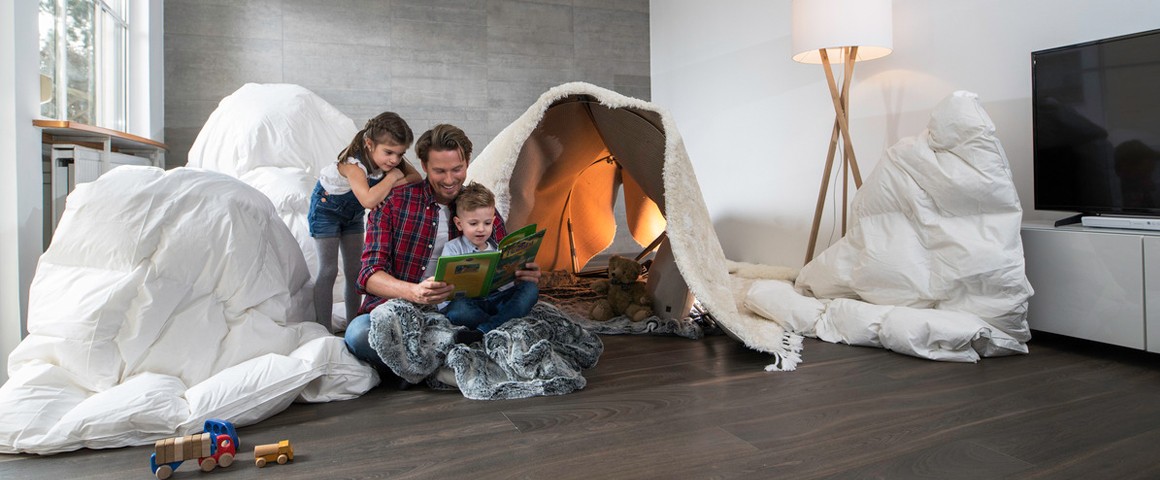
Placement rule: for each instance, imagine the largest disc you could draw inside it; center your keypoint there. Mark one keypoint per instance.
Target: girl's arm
(409, 174)
(367, 196)
(371, 197)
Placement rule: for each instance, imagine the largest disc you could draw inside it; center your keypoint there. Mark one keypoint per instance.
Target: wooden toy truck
(280, 452)
(216, 445)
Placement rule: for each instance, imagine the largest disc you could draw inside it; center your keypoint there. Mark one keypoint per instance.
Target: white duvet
(932, 265)
(277, 137)
(164, 299)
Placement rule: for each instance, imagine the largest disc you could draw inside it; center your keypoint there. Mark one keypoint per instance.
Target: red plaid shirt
(401, 236)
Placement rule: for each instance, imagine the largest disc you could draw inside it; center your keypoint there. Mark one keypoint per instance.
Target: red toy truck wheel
(207, 464)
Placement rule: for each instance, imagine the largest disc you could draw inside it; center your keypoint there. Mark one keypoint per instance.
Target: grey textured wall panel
(224, 18)
(363, 23)
(477, 64)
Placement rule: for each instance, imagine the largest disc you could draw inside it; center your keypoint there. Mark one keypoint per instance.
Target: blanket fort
(559, 165)
(933, 263)
(166, 298)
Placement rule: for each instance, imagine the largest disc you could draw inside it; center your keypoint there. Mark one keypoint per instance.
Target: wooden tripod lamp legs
(841, 129)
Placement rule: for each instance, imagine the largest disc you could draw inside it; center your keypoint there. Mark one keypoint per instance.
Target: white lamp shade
(835, 24)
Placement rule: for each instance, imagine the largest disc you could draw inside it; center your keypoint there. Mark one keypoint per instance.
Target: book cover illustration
(516, 249)
(481, 273)
(471, 274)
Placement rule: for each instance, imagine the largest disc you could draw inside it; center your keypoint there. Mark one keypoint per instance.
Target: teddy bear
(625, 295)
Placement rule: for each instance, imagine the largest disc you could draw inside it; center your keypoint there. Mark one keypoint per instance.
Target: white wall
(757, 124)
(20, 170)
(21, 201)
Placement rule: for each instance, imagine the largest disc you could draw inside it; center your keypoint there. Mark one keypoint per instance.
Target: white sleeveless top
(335, 183)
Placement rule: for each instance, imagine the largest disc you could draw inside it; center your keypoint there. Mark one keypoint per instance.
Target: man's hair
(441, 138)
(473, 196)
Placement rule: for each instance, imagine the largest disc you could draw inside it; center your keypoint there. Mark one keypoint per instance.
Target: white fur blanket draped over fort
(552, 155)
(932, 265)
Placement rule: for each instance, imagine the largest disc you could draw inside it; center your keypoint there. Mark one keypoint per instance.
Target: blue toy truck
(216, 445)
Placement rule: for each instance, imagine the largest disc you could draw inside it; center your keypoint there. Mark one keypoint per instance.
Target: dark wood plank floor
(658, 407)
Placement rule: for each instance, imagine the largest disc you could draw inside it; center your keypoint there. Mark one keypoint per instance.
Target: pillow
(777, 301)
(341, 376)
(247, 392)
(32, 401)
(140, 409)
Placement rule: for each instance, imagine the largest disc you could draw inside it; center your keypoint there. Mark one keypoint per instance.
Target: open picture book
(481, 273)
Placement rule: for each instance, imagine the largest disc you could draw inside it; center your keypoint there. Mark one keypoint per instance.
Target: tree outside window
(83, 61)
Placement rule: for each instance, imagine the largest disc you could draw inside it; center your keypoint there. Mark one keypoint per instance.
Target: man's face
(446, 171)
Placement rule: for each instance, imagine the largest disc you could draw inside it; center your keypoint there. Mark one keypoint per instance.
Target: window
(84, 64)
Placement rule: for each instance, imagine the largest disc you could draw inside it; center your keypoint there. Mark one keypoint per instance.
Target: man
(405, 236)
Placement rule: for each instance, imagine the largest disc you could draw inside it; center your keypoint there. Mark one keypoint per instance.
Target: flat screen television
(1096, 126)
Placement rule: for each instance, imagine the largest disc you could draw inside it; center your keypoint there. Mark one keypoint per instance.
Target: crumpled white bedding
(166, 298)
(277, 138)
(932, 265)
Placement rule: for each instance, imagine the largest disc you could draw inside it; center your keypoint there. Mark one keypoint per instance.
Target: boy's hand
(530, 273)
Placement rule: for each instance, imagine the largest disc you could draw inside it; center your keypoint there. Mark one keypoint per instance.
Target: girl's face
(476, 225)
(386, 155)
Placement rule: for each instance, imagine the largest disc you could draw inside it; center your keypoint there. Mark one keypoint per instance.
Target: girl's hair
(441, 138)
(473, 196)
(385, 127)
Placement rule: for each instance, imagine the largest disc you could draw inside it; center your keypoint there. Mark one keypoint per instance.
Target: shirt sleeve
(456, 247)
(500, 229)
(376, 254)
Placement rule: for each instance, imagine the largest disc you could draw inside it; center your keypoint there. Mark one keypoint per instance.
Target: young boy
(473, 212)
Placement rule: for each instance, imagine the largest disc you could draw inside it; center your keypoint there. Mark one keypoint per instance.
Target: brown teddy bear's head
(622, 270)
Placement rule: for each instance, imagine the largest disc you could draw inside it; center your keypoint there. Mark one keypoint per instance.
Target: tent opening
(593, 177)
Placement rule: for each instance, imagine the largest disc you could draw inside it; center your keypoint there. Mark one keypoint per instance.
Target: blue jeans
(487, 313)
(335, 215)
(357, 338)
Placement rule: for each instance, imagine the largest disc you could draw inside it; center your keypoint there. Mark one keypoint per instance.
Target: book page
(514, 256)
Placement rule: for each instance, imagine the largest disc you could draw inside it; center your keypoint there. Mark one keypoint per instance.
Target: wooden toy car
(280, 452)
(216, 445)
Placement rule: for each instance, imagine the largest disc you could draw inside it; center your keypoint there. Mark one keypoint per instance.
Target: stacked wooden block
(183, 448)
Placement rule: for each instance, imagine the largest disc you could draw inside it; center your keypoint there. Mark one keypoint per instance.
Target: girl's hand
(393, 176)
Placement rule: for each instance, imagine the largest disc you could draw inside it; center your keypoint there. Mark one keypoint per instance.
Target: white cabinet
(1152, 292)
(1093, 283)
(75, 153)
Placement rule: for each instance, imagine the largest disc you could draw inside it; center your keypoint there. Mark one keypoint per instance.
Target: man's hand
(430, 292)
(530, 273)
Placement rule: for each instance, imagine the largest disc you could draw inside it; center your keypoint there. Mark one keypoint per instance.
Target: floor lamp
(839, 31)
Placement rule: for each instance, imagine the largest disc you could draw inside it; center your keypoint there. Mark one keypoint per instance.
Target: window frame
(108, 84)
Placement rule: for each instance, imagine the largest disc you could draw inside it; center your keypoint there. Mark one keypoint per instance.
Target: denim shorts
(334, 215)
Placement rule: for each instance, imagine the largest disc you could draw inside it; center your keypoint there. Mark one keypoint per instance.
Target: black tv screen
(1096, 126)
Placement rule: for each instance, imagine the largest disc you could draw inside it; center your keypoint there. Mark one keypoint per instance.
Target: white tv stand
(1100, 284)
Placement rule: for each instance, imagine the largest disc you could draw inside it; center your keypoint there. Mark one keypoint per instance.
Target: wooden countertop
(64, 131)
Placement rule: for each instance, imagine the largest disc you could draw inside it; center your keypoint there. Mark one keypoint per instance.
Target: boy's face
(476, 225)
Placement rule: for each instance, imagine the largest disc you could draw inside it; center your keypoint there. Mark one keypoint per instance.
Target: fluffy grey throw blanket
(541, 354)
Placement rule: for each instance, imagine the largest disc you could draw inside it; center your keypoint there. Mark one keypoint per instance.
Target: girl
(364, 174)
